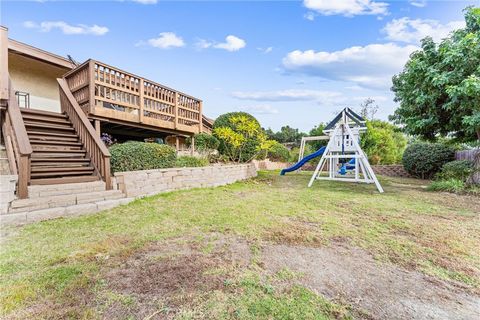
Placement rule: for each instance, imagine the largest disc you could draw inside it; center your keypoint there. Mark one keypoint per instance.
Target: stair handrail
(94, 146)
(18, 145)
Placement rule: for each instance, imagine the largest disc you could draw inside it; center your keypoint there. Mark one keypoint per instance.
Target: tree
(439, 88)
(368, 109)
(318, 131)
(383, 142)
(286, 134)
(241, 137)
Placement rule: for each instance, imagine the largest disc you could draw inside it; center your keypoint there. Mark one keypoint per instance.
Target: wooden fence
(474, 156)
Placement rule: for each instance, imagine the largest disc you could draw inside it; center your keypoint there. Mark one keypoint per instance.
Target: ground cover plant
(216, 253)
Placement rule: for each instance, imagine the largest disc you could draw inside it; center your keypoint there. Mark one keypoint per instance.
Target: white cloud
(322, 97)
(369, 66)
(259, 109)
(309, 16)
(66, 28)
(232, 43)
(265, 50)
(348, 8)
(418, 3)
(166, 40)
(413, 30)
(146, 1)
(203, 44)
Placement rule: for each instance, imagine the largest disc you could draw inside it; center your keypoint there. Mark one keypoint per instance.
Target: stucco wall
(38, 79)
(150, 182)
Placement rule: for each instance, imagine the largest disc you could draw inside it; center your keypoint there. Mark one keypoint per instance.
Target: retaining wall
(391, 170)
(7, 191)
(150, 182)
(270, 165)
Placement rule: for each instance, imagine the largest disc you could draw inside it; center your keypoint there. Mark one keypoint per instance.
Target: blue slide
(300, 163)
(350, 165)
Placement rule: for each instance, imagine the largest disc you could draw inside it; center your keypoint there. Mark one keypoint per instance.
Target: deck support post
(177, 143)
(97, 127)
(192, 147)
(4, 90)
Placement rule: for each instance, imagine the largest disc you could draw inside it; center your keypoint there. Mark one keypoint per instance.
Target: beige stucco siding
(38, 79)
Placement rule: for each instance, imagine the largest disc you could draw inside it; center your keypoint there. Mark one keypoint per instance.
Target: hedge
(134, 155)
(424, 160)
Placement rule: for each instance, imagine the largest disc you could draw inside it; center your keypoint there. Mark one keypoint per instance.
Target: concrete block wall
(270, 165)
(390, 170)
(150, 182)
(7, 191)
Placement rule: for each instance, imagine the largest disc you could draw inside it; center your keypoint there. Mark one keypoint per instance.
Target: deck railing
(17, 144)
(96, 149)
(108, 92)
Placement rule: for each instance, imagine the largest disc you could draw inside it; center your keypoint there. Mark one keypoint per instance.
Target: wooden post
(4, 90)
(97, 127)
(141, 92)
(91, 73)
(23, 177)
(177, 143)
(200, 129)
(176, 108)
(193, 146)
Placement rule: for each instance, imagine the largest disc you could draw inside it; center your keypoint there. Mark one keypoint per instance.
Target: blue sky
(286, 62)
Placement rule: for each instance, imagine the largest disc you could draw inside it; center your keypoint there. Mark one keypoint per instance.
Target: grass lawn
(63, 268)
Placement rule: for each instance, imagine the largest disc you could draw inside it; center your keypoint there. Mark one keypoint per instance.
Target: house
(54, 112)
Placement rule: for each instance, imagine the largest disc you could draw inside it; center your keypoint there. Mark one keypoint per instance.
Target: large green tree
(286, 134)
(383, 142)
(439, 88)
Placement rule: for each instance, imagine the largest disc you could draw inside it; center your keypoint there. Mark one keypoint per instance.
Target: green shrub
(241, 136)
(457, 169)
(424, 160)
(278, 152)
(383, 143)
(204, 142)
(450, 185)
(189, 161)
(134, 155)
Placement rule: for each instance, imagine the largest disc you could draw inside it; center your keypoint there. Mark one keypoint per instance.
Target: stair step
(56, 148)
(58, 160)
(48, 169)
(41, 119)
(40, 150)
(59, 154)
(49, 127)
(56, 143)
(60, 174)
(52, 201)
(43, 112)
(56, 163)
(51, 134)
(46, 181)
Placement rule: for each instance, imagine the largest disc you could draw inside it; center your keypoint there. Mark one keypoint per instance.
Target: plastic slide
(300, 163)
(350, 165)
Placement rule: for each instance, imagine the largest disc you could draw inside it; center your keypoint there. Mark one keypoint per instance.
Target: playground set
(342, 159)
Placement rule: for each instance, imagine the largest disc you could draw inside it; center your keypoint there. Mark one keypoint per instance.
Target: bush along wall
(423, 160)
(134, 155)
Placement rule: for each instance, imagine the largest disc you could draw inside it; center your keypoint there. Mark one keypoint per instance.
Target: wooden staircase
(58, 154)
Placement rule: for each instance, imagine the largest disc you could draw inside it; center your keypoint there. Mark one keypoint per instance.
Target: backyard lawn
(266, 248)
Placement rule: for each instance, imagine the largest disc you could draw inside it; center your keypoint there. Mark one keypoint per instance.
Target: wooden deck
(106, 92)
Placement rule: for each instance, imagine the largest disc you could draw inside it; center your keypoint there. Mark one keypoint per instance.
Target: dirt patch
(164, 278)
(382, 291)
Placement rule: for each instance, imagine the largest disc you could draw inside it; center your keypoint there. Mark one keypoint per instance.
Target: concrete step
(20, 218)
(54, 201)
(40, 191)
